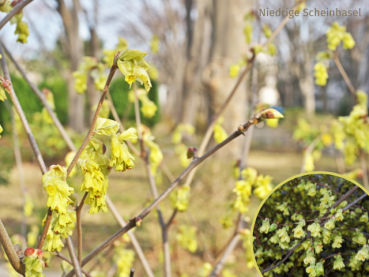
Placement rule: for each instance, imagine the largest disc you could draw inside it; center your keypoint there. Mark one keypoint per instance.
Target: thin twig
(21, 115)
(154, 189)
(40, 95)
(133, 238)
(46, 229)
(18, 160)
(91, 131)
(9, 250)
(157, 201)
(218, 267)
(13, 12)
(72, 253)
(343, 73)
(61, 256)
(79, 227)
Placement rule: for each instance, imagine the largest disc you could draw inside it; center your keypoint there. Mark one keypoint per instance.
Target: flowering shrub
(313, 224)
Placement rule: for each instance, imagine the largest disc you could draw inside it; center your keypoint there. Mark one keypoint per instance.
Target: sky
(42, 16)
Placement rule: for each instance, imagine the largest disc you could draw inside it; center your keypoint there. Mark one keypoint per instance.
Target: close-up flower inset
(313, 225)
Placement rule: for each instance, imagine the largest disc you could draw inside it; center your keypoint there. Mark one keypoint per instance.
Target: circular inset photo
(314, 224)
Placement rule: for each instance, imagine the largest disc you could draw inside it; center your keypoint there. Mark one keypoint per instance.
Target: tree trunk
(306, 82)
(74, 50)
(228, 45)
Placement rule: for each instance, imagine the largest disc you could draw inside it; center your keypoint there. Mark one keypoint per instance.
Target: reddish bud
(40, 253)
(241, 128)
(138, 221)
(29, 252)
(191, 152)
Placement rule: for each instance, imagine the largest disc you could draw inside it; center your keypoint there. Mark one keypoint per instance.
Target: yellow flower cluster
(34, 265)
(186, 237)
(148, 107)
(57, 189)
(124, 259)
(1, 130)
(61, 226)
(336, 34)
(96, 70)
(120, 156)
(180, 197)
(132, 65)
(155, 43)
(219, 133)
(21, 27)
(109, 54)
(234, 69)
(320, 74)
(155, 156)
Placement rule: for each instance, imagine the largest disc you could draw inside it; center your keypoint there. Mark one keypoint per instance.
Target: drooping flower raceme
(132, 64)
(57, 188)
(120, 156)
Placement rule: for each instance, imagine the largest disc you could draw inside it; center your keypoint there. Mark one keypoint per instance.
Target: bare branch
(40, 95)
(91, 131)
(61, 256)
(22, 116)
(133, 238)
(79, 227)
(9, 250)
(72, 253)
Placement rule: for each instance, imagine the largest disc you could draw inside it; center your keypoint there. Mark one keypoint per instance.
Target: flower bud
(138, 221)
(29, 252)
(191, 152)
(40, 253)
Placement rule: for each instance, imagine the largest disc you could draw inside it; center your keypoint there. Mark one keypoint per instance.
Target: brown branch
(72, 253)
(91, 131)
(18, 161)
(9, 251)
(13, 12)
(153, 187)
(170, 221)
(133, 238)
(46, 228)
(231, 246)
(79, 227)
(61, 256)
(157, 201)
(343, 73)
(40, 95)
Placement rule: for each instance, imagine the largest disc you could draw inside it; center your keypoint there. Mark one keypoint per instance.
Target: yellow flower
(155, 42)
(120, 156)
(132, 64)
(57, 188)
(22, 31)
(186, 237)
(1, 130)
(106, 127)
(180, 198)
